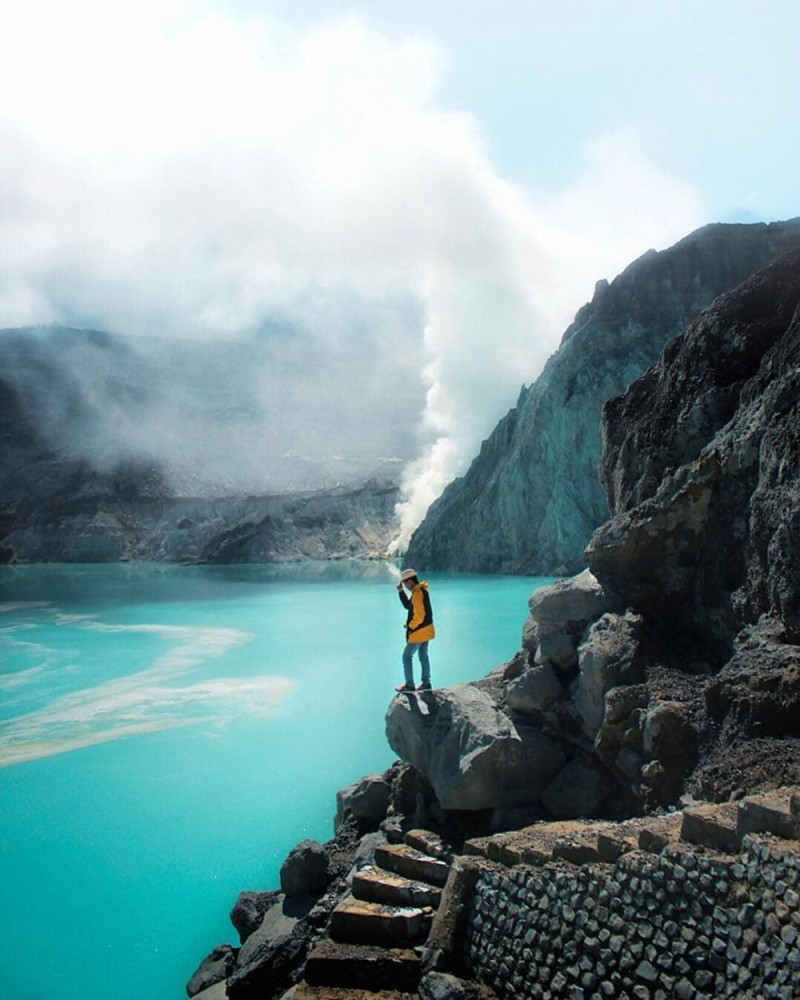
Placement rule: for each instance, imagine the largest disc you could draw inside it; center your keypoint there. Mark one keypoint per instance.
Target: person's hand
(400, 586)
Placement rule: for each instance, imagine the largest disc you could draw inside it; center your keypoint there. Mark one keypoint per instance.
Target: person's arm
(403, 599)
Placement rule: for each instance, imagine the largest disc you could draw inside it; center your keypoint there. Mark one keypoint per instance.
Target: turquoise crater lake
(168, 733)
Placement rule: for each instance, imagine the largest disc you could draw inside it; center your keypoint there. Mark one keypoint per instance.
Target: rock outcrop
(471, 752)
(531, 499)
(673, 663)
(702, 470)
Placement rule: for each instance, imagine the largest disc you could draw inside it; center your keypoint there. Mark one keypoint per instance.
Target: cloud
(174, 172)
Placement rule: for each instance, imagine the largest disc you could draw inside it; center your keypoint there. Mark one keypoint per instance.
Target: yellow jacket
(419, 624)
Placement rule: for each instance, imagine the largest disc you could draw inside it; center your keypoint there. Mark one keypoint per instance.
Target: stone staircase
(723, 827)
(376, 927)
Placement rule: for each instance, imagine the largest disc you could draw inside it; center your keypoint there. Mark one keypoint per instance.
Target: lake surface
(168, 733)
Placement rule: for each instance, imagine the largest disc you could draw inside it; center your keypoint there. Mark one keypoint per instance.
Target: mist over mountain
(269, 413)
(116, 448)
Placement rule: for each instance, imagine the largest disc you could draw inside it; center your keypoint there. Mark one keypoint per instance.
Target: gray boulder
(215, 968)
(274, 953)
(568, 605)
(366, 802)
(609, 655)
(535, 690)
(249, 910)
(560, 650)
(305, 870)
(471, 752)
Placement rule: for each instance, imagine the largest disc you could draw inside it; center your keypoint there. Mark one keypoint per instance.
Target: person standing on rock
(419, 628)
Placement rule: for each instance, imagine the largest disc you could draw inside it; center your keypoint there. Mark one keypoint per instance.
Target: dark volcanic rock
(213, 969)
(271, 960)
(531, 499)
(364, 803)
(702, 468)
(305, 870)
(249, 910)
(758, 690)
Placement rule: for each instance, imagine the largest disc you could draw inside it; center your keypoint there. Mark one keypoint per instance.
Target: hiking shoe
(424, 687)
(405, 687)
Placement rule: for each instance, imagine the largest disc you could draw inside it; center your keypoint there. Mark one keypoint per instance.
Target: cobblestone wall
(686, 923)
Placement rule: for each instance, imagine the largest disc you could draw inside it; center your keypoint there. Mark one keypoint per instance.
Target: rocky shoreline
(576, 909)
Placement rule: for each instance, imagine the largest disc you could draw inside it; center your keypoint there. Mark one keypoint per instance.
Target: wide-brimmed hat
(407, 574)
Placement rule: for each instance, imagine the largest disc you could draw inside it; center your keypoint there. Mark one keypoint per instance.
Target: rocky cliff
(668, 670)
(59, 504)
(531, 499)
(672, 664)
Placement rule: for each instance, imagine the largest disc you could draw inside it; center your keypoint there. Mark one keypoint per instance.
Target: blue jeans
(424, 662)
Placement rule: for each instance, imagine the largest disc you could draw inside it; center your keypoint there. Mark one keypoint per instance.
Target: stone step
(712, 825)
(428, 843)
(533, 845)
(777, 812)
(580, 848)
(658, 832)
(361, 922)
(378, 886)
(305, 991)
(614, 841)
(362, 966)
(413, 864)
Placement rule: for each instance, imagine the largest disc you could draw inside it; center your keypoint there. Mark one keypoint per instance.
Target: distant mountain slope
(70, 493)
(532, 497)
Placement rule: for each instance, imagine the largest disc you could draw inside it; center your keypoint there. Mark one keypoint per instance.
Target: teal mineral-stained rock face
(532, 498)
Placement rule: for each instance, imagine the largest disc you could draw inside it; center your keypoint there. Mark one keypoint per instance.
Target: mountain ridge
(532, 496)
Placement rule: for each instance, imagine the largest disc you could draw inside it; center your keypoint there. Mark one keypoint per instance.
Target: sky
(414, 196)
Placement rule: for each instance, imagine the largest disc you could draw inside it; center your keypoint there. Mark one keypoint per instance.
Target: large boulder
(567, 605)
(215, 968)
(558, 616)
(272, 956)
(249, 910)
(305, 870)
(365, 802)
(470, 751)
(534, 690)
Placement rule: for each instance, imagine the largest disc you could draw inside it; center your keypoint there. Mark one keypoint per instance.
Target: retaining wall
(685, 923)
